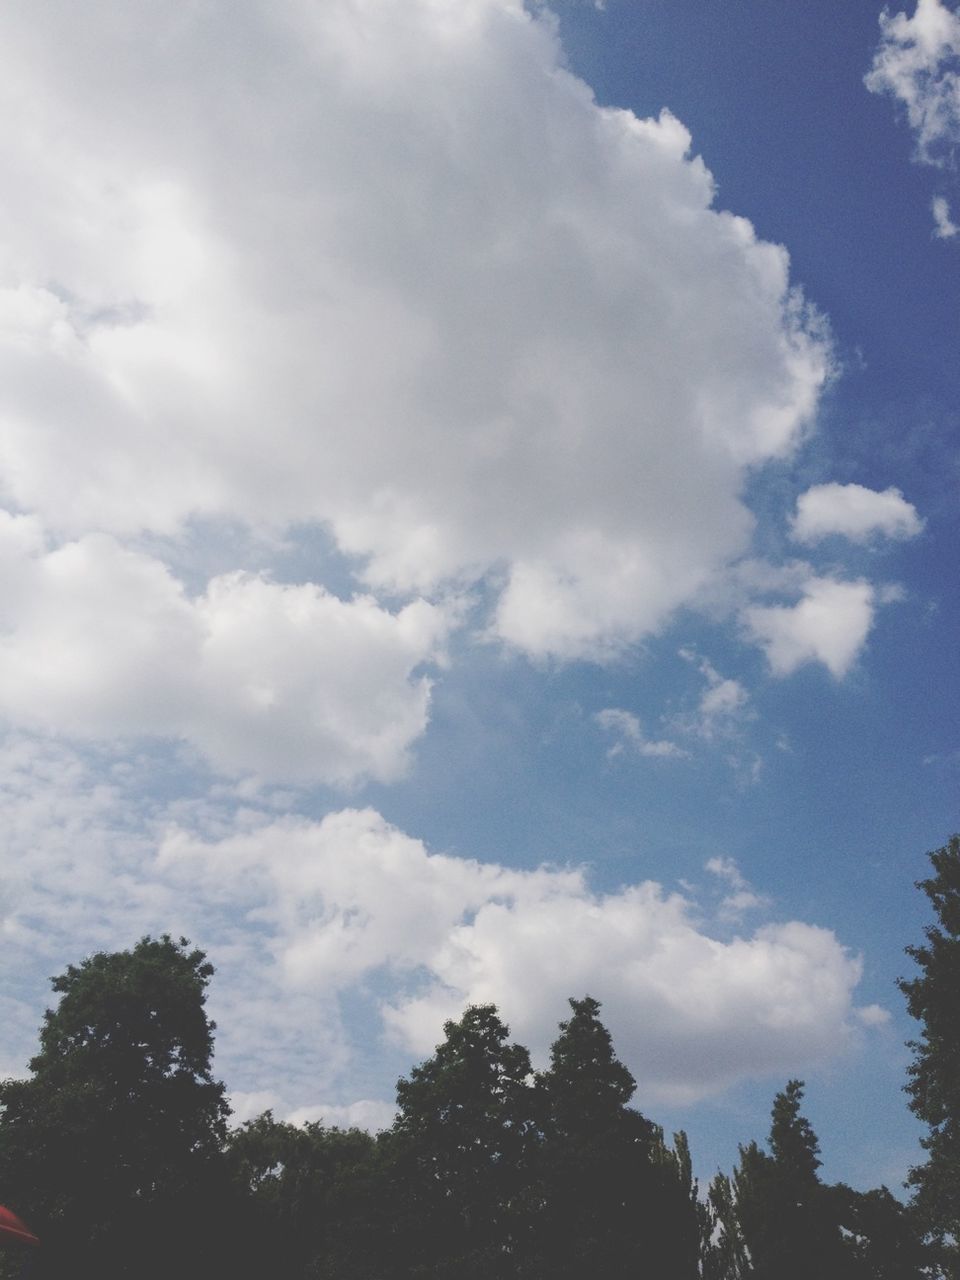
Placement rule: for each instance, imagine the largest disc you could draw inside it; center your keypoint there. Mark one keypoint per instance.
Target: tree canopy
(105, 1145)
(933, 998)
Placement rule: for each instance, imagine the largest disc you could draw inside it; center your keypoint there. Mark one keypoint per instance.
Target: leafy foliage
(616, 1199)
(106, 1146)
(934, 1075)
(775, 1220)
(463, 1148)
(303, 1194)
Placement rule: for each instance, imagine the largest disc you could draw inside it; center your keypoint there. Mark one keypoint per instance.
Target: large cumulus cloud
(388, 267)
(349, 899)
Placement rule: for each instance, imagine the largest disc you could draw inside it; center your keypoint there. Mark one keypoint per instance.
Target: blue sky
(479, 521)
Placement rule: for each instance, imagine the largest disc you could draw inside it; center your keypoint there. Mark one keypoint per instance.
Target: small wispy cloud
(945, 228)
(741, 896)
(873, 1015)
(723, 707)
(630, 736)
(916, 64)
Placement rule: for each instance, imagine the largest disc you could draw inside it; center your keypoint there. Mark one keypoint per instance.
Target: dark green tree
(308, 1201)
(785, 1217)
(793, 1144)
(616, 1199)
(882, 1236)
(933, 998)
(462, 1151)
(776, 1220)
(724, 1253)
(112, 1144)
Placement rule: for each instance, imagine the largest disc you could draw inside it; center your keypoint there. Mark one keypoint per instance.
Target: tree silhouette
(462, 1151)
(787, 1218)
(616, 1199)
(109, 1144)
(933, 998)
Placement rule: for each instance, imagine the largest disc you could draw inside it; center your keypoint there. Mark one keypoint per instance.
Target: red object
(11, 1228)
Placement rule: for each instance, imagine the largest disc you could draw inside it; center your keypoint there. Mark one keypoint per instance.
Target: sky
(479, 517)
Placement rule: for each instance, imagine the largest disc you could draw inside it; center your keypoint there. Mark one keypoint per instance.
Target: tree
(776, 1220)
(933, 998)
(308, 1200)
(462, 1150)
(107, 1145)
(617, 1200)
(882, 1236)
(724, 1253)
(785, 1217)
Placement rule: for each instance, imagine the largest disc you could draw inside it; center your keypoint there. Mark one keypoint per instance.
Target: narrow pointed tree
(787, 1219)
(617, 1201)
(933, 998)
(724, 1253)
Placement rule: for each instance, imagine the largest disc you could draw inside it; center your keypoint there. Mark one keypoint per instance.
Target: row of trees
(116, 1151)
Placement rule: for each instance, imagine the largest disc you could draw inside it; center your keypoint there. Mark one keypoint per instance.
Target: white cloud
(630, 735)
(350, 898)
(723, 698)
(874, 1015)
(918, 63)
(742, 896)
(288, 682)
(724, 704)
(855, 512)
(944, 226)
(723, 708)
(389, 268)
(830, 624)
(371, 1114)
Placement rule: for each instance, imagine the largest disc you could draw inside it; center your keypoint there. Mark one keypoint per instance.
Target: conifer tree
(617, 1201)
(786, 1218)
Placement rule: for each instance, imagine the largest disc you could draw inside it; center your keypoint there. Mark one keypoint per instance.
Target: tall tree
(785, 1216)
(776, 1220)
(108, 1143)
(462, 1149)
(617, 1200)
(724, 1253)
(933, 998)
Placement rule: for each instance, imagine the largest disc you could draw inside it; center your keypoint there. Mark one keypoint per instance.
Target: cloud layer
(391, 269)
(351, 900)
(314, 923)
